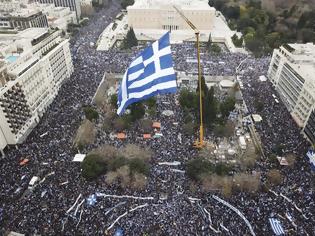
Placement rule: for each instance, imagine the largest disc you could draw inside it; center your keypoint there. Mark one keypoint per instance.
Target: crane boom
(199, 143)
(186, 20)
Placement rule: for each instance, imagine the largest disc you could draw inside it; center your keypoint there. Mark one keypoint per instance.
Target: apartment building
(292, 71)
(33, 65)
(74, 5)
(23, 19)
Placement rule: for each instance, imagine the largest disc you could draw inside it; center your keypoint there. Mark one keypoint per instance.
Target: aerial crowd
(167, 206)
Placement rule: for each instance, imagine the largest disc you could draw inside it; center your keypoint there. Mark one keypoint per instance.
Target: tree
(210, 108)
(273, 158)
(204, 87)
(92, 167)
(307, 35)
(238, 42)
(217, 4)
(227, 106)
(121, 123)
(125, 3)
(137, 165)
(90, 113)
(137, 111)
(145, 125)
(139, 181)
(291, 158)
(113, 100)
(132, 151)
(85, 134)
(222, 169)
(232, 12)
(188, 128)
(116, 163)
(215, 49)
(244, 23)
(151, 102)
(274, 177)
(255, 45)
(273, 39)
(188, 99)
(195, 168)
(130, 40)
(209, 42)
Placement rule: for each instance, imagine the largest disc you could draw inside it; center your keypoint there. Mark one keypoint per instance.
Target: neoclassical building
(161, 15)
(152, 18)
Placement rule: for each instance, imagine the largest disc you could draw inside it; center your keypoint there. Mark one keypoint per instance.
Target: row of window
(170, 27)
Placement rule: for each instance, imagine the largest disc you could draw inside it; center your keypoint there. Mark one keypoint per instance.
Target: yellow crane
(198, 143)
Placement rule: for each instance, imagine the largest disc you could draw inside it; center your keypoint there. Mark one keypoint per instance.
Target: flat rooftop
(32, 33)
(182, 4)
(27, 12)
(305, 48)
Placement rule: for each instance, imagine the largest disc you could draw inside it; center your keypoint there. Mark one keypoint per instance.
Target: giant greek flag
(149, 74)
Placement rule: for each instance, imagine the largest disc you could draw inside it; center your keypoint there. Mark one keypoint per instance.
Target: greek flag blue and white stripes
(276, 226)
(149, 74)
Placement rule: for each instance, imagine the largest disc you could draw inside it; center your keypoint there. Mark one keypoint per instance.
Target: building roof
(32, 33)
(300, 53)
(226, 83)
(257, 118)
(183, 4)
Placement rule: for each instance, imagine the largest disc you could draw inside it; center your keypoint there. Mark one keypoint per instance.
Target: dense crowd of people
(169, 205)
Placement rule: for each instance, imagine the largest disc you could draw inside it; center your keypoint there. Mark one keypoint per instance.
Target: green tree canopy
(210, 108)
(125, 3)
(113, 100)
(151, 102)
(90, 113)
(93, 166)
(238, 42)
(227, 106)
(130, 40)
(139, 166)
(198, 166)
(188, 99)
(137, 111)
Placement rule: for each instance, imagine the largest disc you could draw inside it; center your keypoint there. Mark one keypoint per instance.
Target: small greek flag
(150, 73)
(276, 226)
(91, 200)
(311, 155)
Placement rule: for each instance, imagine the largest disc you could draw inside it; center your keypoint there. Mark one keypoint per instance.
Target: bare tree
(123, 174)
(291, 158)
(274, 177)
(106, 152)
(131, 151)
(85, 134)
(139, 181)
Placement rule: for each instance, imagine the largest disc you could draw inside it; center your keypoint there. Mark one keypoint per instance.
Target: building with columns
(150, 19)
